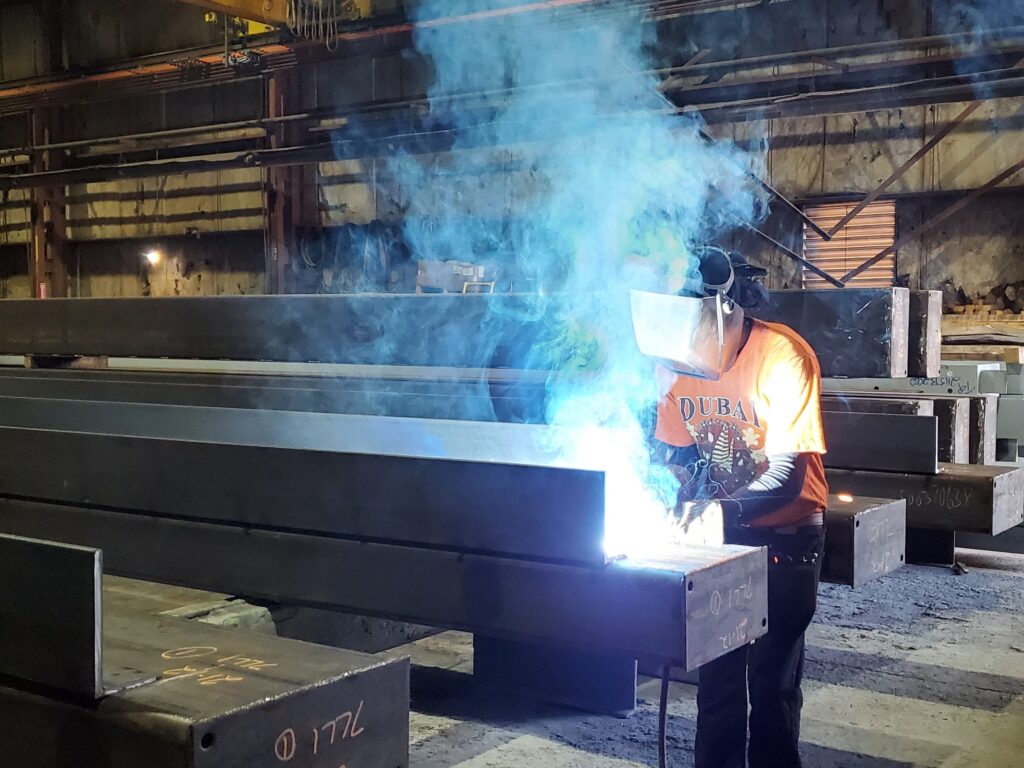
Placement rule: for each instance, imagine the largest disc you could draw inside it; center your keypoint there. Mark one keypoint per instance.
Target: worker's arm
(778, 486)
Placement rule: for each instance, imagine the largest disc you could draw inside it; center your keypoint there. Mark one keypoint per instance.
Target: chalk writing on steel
(285, 745)
(944, 497)
(736, 597)
(951, 384)
(212, 671)
(343, 727)
(736, 636)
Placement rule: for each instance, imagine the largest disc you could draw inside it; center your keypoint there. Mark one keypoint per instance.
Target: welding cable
(663, 718)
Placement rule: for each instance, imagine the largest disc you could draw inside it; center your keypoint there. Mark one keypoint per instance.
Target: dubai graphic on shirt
(768, 403)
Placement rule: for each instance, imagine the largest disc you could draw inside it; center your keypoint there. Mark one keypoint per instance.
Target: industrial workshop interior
(511, 383)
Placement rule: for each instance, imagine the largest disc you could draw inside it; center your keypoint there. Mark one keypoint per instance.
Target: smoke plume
(568, 163)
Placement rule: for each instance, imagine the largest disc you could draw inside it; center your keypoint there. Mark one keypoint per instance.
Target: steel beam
(860, 403)
(50, 616)
(961, 497)
(601, 683)
(789, 252)
(468, 486)
(272, 12)
(1010, 541)
(954, 415)
(900, 172)
(475, 398)
(224, 699)
(982, 424)
(925, 340)
(690, 608)
(883, 442)
(476, 331)
(865, 539)
(854, 332)
(983, 429)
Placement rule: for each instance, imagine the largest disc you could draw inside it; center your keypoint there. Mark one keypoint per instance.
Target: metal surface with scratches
(222, 699)
(675, 608)
(385, 329)
(50, 615)
(855, 332)
(865, 539)
(470, 486)
(961, 497)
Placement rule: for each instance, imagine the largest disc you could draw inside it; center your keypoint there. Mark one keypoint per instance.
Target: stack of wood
(982, 331)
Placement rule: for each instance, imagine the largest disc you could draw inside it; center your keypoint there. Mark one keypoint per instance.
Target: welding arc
(663, 718)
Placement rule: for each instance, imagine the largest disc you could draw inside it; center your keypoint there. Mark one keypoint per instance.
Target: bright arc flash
(637, 522)
(846, 498)
(153, 257)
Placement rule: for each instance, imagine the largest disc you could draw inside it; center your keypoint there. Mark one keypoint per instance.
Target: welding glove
(702, 524)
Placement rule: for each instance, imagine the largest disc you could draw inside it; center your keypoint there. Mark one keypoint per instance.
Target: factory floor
(921, 668)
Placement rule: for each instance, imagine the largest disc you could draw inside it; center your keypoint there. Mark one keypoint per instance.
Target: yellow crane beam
(273, 12)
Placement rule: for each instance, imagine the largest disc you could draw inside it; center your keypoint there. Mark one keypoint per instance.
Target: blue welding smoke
(568, 161)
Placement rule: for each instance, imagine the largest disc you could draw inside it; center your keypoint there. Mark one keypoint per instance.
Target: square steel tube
(470, 486)
(474, 331)
(865, 539)
(687, 610)
(961, 497)
(855, 332)
(51, 615)
(477, 399)
(216, 698)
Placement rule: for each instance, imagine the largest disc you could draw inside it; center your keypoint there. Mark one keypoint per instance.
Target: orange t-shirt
(768, 403)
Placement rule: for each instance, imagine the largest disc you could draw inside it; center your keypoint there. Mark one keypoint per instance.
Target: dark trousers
(771, 669)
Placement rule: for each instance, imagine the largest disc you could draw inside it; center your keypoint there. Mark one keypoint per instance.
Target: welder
(739, 422)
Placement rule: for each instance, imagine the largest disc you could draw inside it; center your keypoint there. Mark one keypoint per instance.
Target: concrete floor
(922, 668)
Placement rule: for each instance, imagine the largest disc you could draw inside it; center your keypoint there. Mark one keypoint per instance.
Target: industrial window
(866, 235)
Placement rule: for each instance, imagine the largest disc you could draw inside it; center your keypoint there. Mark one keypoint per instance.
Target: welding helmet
(699, 330)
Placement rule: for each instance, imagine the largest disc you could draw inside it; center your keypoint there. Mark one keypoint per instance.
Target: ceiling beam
(273, 12)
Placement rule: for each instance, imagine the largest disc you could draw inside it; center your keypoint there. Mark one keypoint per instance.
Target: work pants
(772, 668)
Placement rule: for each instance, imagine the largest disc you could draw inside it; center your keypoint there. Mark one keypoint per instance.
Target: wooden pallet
(1002, 353)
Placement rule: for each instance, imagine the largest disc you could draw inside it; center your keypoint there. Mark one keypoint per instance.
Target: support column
(292, 200)
(49, 213)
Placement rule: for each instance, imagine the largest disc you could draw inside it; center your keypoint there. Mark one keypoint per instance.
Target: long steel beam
(475, 398)
(216, 698)
(688, 609)
(435, 330)
(465, 486)
(50, 616)
(883, 442)
(273, 12)
(855, 332)
(961, 497)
